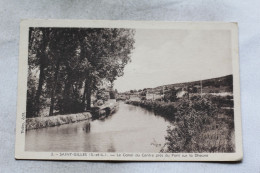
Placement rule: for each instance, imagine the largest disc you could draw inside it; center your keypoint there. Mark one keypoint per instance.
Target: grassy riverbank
(42, 122)
(99, 112)
(199, 124)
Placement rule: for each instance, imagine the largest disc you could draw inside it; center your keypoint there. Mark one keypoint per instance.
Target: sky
(167, 56)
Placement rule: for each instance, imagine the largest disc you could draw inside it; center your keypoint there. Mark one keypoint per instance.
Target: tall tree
(109, 51)
(38, 59)
(64, 61)
(73, 63)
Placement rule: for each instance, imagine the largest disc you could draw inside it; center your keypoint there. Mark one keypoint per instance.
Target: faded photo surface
(127, 89)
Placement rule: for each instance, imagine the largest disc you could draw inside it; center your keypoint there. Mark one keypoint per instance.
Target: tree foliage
(171, 95)
(68, 65)
(197, 128)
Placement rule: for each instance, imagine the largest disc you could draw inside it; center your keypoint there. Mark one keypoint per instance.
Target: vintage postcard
(128, 91)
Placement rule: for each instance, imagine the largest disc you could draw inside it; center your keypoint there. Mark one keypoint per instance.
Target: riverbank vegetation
(68, 66)
(200, 123)
(42, 122)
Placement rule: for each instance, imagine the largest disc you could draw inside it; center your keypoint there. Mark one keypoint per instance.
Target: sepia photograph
(114, 90)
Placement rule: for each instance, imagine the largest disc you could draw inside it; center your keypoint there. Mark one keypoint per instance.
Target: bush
(198, 129)
(159, 107)
(112, 95)
(42, 122)
(170, 95)
(100, 102)
(199, 124)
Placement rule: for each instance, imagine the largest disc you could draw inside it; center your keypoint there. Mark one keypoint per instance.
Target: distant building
(181, 93)
(151, 96)
(134, 97)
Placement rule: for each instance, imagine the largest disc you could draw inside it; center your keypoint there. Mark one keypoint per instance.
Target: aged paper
(128, 91)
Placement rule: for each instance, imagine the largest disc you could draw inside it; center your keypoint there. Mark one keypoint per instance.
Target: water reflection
(130, 129)
(131, 108)
(87, 126)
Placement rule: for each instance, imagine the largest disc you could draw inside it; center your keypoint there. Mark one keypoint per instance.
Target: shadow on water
(87, 127)
(166, 117)
(153, 112)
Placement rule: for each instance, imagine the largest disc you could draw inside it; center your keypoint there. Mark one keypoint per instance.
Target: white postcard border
(20, 152)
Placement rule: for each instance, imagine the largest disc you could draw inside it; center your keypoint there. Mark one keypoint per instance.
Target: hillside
(214, 85)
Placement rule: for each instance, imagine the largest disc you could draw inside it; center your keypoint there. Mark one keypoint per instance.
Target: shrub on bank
(42, 122)
(163, 108)
(198, 128)
(199, 124)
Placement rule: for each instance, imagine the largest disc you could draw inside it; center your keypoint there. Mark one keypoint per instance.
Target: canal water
(130, 129)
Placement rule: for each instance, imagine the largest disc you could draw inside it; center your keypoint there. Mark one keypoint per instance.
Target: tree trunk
(88, 90)
(54, 88)
(88, 98)
(188, 92)
(43, 61)
(39, 90)
(84, 95)
(66, 101)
